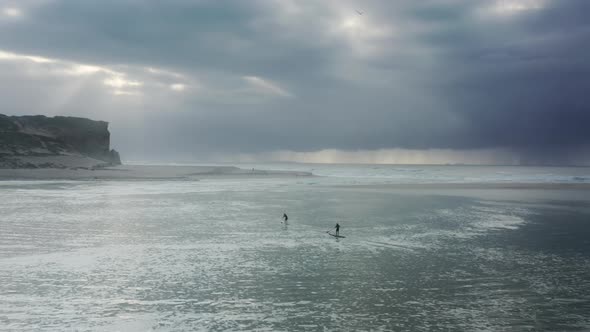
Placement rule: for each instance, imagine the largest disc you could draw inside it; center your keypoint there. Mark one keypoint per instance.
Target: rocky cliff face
(26, 138)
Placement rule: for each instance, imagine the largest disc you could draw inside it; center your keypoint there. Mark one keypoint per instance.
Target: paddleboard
(334, 235)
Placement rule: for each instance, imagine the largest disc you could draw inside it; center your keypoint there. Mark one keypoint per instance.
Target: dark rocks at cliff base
(114, 157)
(55, 142)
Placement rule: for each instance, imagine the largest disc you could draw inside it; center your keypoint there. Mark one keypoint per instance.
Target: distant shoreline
(358, 164)
(473, 185)
(195, 173)
(142, 172)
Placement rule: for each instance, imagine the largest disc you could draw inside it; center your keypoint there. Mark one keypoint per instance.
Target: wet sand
(502, 191)
(474, 185)
(142, 172)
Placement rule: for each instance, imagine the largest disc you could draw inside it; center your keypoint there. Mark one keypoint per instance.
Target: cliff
(59, 142)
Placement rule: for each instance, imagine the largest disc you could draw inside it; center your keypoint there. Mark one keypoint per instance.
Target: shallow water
(213, 255)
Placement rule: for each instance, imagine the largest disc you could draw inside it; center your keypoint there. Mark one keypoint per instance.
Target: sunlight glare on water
(214, 255)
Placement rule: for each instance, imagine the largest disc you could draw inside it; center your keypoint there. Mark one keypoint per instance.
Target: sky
(343, 81)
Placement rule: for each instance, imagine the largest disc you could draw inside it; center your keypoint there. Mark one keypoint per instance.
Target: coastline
(473, 185)
(495, 191)
(142, 172)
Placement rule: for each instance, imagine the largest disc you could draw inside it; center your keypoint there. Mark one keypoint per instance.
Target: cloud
(164, 73)
(389, 156)
(266, 86)
(178, 87)
(227, 77)
(120, 82)
(9, 56)
(47, 66)
(11, 12)
(511, 7)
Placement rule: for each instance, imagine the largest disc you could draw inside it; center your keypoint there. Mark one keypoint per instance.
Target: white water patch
(478, 220)
(498, 221)
(495, 218)
(434, 230)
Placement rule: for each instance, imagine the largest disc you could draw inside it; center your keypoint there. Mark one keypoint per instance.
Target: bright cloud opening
(121, 82)
(84, 70)
(510, 7)
(112, 78)
(364, 36)
(12, 12)
(178, 87)
(8, 56)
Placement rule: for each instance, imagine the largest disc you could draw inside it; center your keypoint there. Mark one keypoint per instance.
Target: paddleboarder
(337, 229)
(285, 218)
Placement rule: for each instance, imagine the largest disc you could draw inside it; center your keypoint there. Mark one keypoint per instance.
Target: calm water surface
(213, 255)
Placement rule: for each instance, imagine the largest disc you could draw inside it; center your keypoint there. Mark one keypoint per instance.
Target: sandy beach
(476, 185)
(501, 192)
(142, 172)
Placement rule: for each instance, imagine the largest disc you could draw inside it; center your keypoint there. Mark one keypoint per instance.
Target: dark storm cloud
(527, 87)
(265, 75)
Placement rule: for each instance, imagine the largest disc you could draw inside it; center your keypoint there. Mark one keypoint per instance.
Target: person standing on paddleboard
(337, 229)
(285, 218)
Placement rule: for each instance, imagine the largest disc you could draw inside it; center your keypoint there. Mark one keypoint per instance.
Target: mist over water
(214, 255)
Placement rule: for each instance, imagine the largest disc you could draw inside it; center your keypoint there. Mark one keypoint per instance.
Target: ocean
(213, 254)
